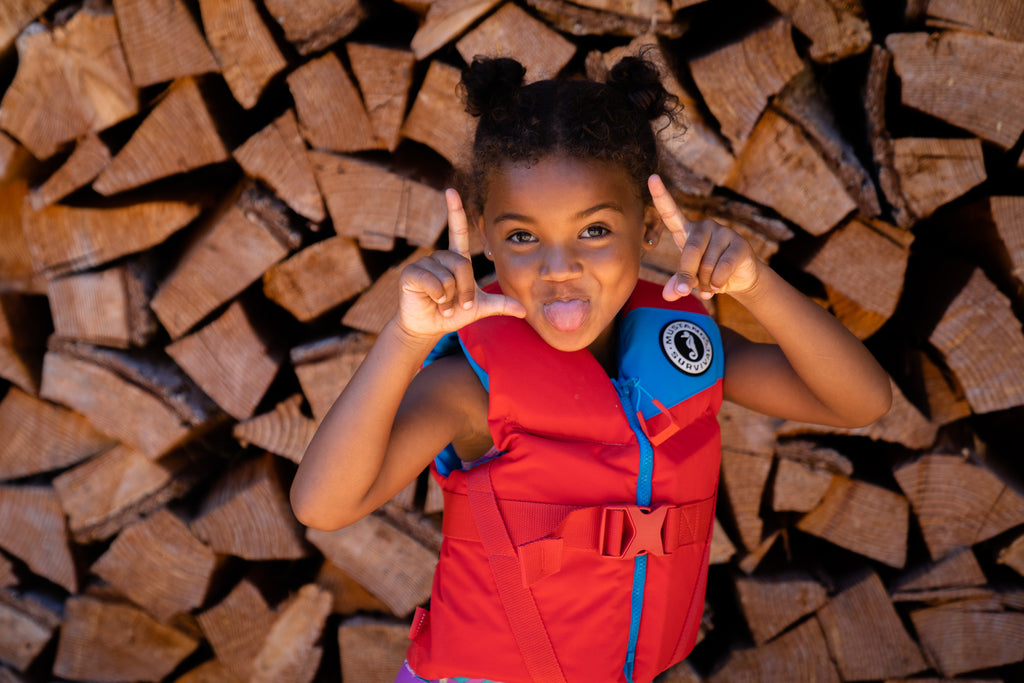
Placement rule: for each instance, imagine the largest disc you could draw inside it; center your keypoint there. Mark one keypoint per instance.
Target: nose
(560, 263)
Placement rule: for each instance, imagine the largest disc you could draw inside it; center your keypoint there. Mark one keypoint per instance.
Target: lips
(566, 316)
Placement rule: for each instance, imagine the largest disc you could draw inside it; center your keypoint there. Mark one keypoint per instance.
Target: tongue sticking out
(566, 316)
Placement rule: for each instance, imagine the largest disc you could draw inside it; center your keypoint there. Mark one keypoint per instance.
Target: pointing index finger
(458, 224)
(670, 214)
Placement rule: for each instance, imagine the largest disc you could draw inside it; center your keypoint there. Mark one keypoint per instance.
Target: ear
(478, 221)
(652, 228)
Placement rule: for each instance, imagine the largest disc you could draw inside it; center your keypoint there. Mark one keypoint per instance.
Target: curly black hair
(582, 119)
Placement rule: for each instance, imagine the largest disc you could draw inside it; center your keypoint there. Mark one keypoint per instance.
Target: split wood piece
(247, 514)
(312, 25)
(688, 143)
(162, 42)
(362, 548)
(511, 32)
(109, 307)
(804, 102)
(959, 569)
(248, 56)
(957, 503)
(81, 66)
(414, 524)
(982, 343)
(837, 28)
(1013, 555)
(32, 529)
(722, 547)
(683, 672)
(16, 15)
(25, 320)
(946, 402)
(743, 478)
(10, 676)
(747, 431)
(7, 575)
(331, 113)
(800, 654)
(882, 147)
(375, 205)
(284, 431)
(229, 251)
(732, 314)
(864, 518)
(114, 405)
(737, 80)
(749, 563)
(230, 359)
(934, 171)
(445, 21)
(103, 641)
(873, 282)
(798, 486)
(41, 437)
(1002, 20)
(349, 596)
(290, 651)
(26, 628)
(63, 239)
(210, 671)
(815, 455)
(14, 159)
(438, 118)
(780, 168)
(903, 424)
(772, 603)
(372, 650)
(322, 276)
(159, 565)
(237, 626)
(277, 156)
(324, 367)
(1008, 215)
(572, 19)
(962, 640)
(385, 77)
(103, 495)
(178, 135)
(86, 162)
(377, 305)
(970, 80)
(861, 619)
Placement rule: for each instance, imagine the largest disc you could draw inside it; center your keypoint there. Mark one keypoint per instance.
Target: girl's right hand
(438, 294)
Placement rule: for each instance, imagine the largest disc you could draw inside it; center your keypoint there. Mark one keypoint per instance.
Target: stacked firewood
(204, 207)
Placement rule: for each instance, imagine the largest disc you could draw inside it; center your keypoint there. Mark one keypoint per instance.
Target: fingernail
(442, 299)
(467, 304)
(683, 288)
(448, 312)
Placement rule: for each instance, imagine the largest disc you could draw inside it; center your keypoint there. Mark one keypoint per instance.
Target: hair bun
(489, 84)
(639, 80)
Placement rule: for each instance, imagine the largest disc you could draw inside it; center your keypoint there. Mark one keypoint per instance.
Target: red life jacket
(580, 552)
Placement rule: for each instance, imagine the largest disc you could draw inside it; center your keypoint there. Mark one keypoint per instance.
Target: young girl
(575, 407)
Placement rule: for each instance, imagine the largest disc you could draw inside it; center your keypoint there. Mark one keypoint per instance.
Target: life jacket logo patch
(687, 346)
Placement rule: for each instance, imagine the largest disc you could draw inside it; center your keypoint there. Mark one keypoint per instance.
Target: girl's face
(566, 238)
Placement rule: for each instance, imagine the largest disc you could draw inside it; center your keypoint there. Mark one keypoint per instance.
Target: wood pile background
(204, 205)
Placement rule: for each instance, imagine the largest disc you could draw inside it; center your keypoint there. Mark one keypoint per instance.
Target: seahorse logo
(687, 346)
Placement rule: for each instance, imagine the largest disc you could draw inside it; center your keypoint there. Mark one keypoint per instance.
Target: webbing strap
(527, 626)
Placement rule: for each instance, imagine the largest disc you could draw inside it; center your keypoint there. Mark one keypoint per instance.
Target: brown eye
(595, 231)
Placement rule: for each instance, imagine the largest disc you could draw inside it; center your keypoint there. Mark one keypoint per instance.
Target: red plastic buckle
(632, 530)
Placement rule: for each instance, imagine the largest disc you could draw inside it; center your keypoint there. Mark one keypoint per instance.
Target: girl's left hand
(713, 259)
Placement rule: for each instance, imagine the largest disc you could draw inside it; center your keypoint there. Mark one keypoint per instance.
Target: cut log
(159, 565)
(982, 343)
(331, 113)
(377, 305)
(103, 641)
(933, 172)
(780, 168)
(438, 119)
(248, 56)
(722, 547)
(385, 77)
(322, 276)
(41, 437)
(349, 596)
(946, 403)
(230, 359)
(247, 514)
(7, 575)
(372, 650)
(959, 569)
(800, 654)
(799, 487)
(743, 479)
(837, 28)
(237, 626)
(445, 21)
(971, 80)
(1008, 215)
(957, 503)
(228, 252)
(32, 529)
(961, 640)
(360, 549)
(571, 19)
(882, 148)
(210, 671)
(324, 367)
(1002, 20)
(1013, 555)
(771, 604)
(290, 651)
(312, 25)
(14, 159)
(16, 15)
(861, 619)
(178, 135)
(162, 42)
(90, 157)
(277, 156)
(863, 518)
(62, 239)
(69, 83)
(683, 672)
(26, 628)
(737, 80)
(284, 431)
(17, 271)
(511, 32)
(110, 491)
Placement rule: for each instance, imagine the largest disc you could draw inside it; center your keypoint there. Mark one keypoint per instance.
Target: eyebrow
(521, 218)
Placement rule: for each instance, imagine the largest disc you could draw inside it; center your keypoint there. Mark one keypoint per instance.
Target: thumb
(488, 304)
